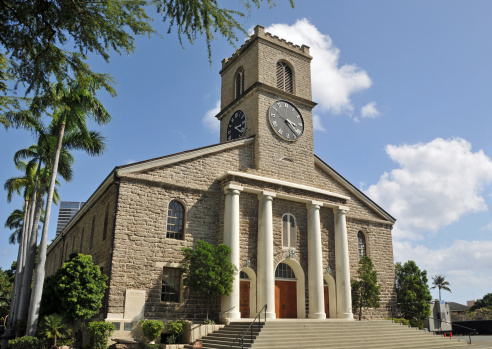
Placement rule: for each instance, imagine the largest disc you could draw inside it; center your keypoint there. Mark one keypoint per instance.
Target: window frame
(179, 284)
(282, 269)
(183, 228)
(289, 233)
(238, 75)
(362, 234)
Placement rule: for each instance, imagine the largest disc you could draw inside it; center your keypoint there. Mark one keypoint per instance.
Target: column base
(317, 316)
(232, 315)
(347, 316)
(270, 315)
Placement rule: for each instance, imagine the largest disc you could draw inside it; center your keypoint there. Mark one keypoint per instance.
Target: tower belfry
(266, 93)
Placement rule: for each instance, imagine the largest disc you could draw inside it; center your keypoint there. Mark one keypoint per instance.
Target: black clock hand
(289, 124)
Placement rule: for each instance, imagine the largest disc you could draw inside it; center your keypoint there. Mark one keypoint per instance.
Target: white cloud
(210, 121)
(487, 227)
(369, 111)
(436, 183)
(317, 123)
(465, 264)
(332, 84)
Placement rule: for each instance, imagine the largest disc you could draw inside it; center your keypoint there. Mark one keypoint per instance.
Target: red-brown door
(244, 298)
(286, 299)
(327, 302)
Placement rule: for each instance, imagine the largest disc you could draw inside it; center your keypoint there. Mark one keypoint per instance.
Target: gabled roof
(350, 187)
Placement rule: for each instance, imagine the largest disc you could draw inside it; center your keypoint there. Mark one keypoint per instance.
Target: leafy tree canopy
(6, 285)
(412, 292)
(365, 290)
(208, 269)
(44, 41)
(485, 302)
(76, 290)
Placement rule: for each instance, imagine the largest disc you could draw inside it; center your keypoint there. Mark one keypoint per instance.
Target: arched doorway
(285, 292)
(244, 294)
(330, 296)
(247, 293)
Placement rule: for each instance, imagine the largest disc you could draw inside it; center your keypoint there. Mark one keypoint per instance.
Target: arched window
(93, 226)
(175, 220)
(284, 77)
(289, 231)
(361, 244)
(106, 217)
(284, 271)
(239, 83)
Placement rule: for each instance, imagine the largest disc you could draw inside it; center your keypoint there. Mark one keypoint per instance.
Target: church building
(296, 227)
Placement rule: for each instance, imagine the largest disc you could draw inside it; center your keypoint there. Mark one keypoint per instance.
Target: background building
(68, 209)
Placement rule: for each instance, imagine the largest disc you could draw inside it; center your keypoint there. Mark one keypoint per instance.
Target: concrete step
(300, 334)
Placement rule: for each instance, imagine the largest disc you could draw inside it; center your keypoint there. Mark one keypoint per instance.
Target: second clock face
(236, 126)
(286, 120)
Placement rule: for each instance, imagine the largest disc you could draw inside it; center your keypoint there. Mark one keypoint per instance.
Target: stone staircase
(327, 334)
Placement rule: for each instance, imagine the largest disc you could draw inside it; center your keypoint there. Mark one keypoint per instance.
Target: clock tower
(266, 93)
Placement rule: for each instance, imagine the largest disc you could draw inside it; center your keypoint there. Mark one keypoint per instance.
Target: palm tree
(72, 106)
(440, 282)
(54, 327)
(15, 221)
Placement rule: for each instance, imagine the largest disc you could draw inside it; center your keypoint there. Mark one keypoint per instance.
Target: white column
(315, 264)
(231, 239)
(344, 295)
(266, 271)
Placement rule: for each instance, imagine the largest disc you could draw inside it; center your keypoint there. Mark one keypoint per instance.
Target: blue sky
(404, 113)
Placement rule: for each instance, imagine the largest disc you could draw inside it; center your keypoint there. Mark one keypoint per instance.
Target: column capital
(232, 187)
(340, 209)
(266, 195)
(314, 204)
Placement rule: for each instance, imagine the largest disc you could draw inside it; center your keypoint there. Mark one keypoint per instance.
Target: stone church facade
(295, 226)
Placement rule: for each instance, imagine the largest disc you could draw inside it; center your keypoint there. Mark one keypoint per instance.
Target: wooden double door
(286, 299)
(244, 295)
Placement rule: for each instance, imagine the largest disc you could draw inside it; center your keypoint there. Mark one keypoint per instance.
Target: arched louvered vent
(284, 77)
(239, 83)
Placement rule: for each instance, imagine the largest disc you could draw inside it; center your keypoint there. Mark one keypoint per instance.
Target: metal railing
(471, 331)
(250, 328)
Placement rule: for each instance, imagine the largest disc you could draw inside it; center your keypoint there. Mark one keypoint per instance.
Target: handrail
(241, 340)
(217, 318)
(471, 330)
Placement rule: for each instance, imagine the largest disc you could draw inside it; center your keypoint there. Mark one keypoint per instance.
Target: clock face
(286, 120)
(236, 126)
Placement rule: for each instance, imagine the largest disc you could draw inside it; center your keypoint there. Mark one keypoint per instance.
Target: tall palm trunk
(19, 274)
(30, 260)
(37, 291)
(18, 280)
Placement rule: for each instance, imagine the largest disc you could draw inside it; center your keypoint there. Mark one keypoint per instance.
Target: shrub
(152, 329)
(402, 321)
(176, 327)
(100, 332)
(27, 342)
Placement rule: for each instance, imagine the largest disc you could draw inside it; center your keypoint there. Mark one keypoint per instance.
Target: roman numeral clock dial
(286, 120)
(237, 125)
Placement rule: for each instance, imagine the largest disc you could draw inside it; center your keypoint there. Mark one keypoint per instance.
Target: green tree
(76, 290)
(365, 290)
(45, 41)
(6, 287)
(73, 105)
(412, 292)
(440, 282)
(485, 302)
(55, 327)
(208, 270)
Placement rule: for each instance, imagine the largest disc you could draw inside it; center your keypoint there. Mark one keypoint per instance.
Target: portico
(266, 266)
